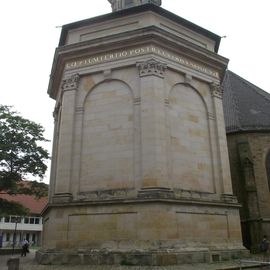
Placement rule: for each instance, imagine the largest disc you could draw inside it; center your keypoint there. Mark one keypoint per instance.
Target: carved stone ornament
(151, 67)
(216, 90)
(123, 4)
(71, 83)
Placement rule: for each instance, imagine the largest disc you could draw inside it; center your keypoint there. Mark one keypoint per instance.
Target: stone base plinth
(155, 258)
(13, 263)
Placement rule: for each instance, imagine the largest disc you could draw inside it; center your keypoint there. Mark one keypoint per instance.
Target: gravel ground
(28, 263)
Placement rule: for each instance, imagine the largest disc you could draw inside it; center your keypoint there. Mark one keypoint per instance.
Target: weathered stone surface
(147, 258)
(91, 259)
(140, 162)
(248, 152)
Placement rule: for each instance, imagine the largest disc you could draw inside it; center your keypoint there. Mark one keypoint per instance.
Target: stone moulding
(144, 198)
(135, 258)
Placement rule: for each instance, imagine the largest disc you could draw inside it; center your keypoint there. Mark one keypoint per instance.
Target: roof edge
(137, 9)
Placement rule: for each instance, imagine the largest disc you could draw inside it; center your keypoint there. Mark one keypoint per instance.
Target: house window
(15, 220)
(6, 219)
(7, 237)
(267, 166)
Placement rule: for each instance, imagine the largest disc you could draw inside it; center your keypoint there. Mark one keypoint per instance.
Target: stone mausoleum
(140, 171)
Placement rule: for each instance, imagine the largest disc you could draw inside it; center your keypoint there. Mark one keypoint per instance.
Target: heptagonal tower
(140, 172)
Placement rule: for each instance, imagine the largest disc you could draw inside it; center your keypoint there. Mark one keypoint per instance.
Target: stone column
(54, 151)
(153, 127)
(224, 165)
(65, 143)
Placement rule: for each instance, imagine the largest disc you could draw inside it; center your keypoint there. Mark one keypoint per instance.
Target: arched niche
(189, 140)
(107, 150)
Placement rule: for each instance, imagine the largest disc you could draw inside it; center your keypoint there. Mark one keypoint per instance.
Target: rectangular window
(15, 219)
(7, 237)
(12, 219)
(26, 220)
(36, 220)
(32, 220)
(6, 219)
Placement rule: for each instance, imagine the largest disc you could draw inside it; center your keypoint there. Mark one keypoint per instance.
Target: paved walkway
(28, 263)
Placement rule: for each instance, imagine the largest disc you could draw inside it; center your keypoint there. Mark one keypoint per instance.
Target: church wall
(255, 200)
(190, 149)
(107, 156)
(114, 117)
(140, 159)
(109, 134)
(142, 227)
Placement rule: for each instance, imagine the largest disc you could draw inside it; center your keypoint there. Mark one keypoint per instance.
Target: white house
(13, 229)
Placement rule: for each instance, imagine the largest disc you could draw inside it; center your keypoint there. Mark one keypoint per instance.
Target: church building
(247, 118)
(140, 170)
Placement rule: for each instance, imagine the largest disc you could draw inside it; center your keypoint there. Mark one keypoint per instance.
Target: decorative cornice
(119, 4)
(151, 67)
(216, 90)
(71, 83)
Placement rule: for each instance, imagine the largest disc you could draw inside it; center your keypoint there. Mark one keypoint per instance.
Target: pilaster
(224, 165)
(56, 116)
(153, 125)
(64, 159)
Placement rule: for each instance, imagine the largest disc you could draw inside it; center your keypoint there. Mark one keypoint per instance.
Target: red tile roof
(35, 205)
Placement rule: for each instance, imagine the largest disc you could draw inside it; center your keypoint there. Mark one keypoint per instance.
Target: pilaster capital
(56, 111)
(71, 83)
(216, 90)
(151, 67)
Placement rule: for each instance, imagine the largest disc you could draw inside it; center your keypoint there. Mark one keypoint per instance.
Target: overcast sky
(30, 31)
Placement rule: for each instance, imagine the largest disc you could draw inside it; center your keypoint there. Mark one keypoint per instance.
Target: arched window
(267, 166)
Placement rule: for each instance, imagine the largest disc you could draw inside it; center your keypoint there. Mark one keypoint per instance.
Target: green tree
(20, 156)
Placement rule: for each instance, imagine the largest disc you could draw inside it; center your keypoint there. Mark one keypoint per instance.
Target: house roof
(246, 106)
(35, 205)
(138, 9)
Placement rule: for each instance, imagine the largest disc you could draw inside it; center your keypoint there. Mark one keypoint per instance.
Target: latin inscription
(122, 54)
